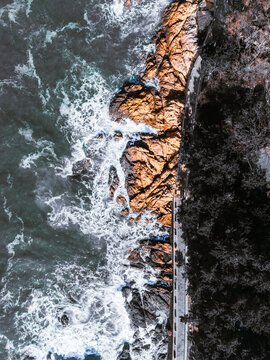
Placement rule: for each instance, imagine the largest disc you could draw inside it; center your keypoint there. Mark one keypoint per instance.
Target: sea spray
(67, 257)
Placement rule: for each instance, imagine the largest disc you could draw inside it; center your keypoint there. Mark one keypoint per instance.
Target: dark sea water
(63, 244)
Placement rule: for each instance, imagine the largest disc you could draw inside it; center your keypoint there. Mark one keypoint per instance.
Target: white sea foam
(10, 181)
(96, 316)
(91, 300)
(43, 148)
(14, 9)
(28, 7)
(6, 209)
(117, 7)
(154, 82)
(50, 35)
(9, 83)
(11, 246)
(96, 313)
(148, 11)
(9, 347)
(83, 120)
(29, 68)
(11, 10)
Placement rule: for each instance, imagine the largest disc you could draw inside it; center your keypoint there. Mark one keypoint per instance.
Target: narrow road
(180, 297)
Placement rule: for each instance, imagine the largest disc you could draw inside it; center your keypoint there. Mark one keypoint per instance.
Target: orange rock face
(151, 163)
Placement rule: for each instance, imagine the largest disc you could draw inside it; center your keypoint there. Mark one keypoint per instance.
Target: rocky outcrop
(149, 308)
(156, 98)
(157, 254)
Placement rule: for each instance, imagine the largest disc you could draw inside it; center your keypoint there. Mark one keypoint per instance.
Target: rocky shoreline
(208, 55)
(210, 65)
(157, 98)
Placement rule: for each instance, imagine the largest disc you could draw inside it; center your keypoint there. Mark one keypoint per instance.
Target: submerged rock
(64, 320)
(118, 135)
(125, 354)
(125, 212)
(90, 354)
(81, 168)
(113, 181)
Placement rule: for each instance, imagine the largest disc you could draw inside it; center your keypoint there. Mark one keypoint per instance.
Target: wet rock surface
(81, 169)
(125, 354)
(149, 308)
(156, 98)
(128, 3)
(155, 253)
(113, 181)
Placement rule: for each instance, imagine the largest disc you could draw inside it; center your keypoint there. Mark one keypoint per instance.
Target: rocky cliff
(156, 98)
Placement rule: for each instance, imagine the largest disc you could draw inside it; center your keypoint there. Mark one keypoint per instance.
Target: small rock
(100, 135)
(125, 354)
(81, 168)
(113, 181)
(125, 212)
(167, 258)
(134, 256)
(64, 320)
(117, 135)
(121, 199)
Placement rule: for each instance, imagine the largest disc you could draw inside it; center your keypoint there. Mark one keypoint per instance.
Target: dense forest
(226, 217)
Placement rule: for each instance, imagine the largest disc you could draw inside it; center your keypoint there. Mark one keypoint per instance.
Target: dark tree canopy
(226, 219)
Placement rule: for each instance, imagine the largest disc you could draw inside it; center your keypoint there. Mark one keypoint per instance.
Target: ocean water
(64, 246)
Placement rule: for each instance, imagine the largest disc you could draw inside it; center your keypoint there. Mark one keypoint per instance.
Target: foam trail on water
(29, 68)
(44, 148)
